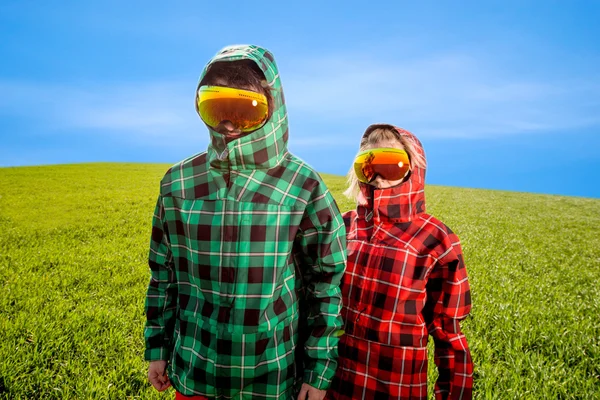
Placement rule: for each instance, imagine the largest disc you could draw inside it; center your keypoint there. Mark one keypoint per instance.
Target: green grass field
(73, 275)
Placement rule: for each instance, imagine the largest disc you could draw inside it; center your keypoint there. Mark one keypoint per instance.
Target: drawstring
(360, 313)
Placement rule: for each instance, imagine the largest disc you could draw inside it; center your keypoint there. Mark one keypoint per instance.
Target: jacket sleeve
(161, 297)
(322, 242)
(448, 302)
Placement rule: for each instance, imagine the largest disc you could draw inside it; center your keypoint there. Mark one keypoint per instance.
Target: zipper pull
(223, 155)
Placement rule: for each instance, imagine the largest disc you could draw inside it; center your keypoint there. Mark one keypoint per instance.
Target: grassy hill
(73, 275)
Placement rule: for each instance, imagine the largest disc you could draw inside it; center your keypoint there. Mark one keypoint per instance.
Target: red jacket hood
(400, 203)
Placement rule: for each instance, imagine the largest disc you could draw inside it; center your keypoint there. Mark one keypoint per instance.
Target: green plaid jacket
(246, 256)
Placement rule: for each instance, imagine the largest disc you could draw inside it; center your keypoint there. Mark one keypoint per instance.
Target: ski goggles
(244, 109)
(389, 163)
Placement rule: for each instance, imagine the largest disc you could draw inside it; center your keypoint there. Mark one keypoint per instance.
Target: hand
(308, 392)
(157, 375)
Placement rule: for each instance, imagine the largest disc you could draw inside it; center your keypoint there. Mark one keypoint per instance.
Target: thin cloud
(442, 96)
(335, 141)
(131, 110)
(447, 95)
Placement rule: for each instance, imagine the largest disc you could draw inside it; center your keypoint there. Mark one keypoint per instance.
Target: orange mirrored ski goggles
(246, 110)
(389, 163)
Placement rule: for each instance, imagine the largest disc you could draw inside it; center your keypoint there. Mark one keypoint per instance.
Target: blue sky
(503, 94)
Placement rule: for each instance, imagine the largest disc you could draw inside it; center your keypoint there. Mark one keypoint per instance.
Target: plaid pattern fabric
(405, 280)
(179, 396)
(247, 254)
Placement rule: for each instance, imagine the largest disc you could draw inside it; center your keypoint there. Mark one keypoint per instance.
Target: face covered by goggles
(240, 110)
(389, 163)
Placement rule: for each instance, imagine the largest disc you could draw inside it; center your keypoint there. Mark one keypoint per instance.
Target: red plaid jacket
(405, 280)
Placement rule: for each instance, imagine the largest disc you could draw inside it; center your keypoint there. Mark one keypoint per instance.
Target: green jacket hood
(265, 147)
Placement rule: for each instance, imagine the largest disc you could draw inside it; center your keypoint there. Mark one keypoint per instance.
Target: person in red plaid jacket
(405, 280)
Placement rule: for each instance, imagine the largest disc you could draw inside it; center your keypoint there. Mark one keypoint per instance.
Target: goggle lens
(244, 109)
(389, 163)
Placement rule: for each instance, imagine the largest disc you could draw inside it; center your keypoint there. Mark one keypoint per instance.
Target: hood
(400, 203)
(265, 147)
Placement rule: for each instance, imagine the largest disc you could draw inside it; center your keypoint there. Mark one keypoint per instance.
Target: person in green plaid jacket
(246, 256)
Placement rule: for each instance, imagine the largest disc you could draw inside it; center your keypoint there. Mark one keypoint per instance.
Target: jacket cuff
(157, 354)
(320, 375)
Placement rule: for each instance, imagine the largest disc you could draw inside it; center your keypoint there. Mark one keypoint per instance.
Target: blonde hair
(372, 140)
